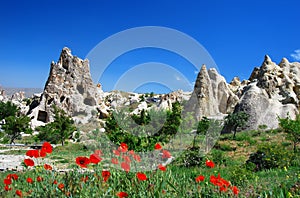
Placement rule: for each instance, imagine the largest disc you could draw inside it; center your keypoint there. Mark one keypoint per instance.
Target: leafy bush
(136, 137)
(190, 157)
(270, 156)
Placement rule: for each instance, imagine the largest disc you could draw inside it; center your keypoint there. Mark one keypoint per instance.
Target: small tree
(14, 125)
(202, 128)
(236, 120)
(59, 130)
(7, 109)
(292, 128)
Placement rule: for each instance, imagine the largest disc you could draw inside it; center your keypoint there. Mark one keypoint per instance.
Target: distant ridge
(9, 91)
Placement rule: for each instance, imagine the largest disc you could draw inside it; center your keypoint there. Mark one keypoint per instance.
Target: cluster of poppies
(37, 153)
(218, 181)
(123, 157)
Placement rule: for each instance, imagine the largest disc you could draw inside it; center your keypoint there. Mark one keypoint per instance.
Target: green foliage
(292, 129)
(59, 130)
(14, 126)
(270, 156)
(190, 157)
(119, 128)
(7, 109)
(236, 120)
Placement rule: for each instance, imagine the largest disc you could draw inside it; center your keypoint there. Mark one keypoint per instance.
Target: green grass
(229, 156)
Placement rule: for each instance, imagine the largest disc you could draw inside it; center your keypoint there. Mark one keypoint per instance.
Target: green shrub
(190, 157)
(270, 156)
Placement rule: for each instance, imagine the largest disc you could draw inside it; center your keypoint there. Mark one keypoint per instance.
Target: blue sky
(237, 34)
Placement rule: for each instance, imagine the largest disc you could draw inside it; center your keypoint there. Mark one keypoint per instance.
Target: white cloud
(296, 55)
(177, 78)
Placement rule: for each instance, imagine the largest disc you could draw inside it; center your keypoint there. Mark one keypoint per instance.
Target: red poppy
(114, 161)
(82, 161)
(84, 179)
(7, 181)
(200, 178)
(116, 152)
(137, 158)
(33, 153)
(105, 175)
(141, 176)
(122, 194)
(98, 152)
(235, 190)
(125, 166)
(223, 189)
(210, 163)
(131, 152)
(166, 154)
(126, 158)
(161, 167)
(123, 147)
(54, 182)
(47, 147)
(28, 162)
(39, 179)
(29, 180)
(157, 146)
(47, 167)
(12, 176)
(7, 188)
(43, 153)
(61, 186)
(19, 193)
(95, 159)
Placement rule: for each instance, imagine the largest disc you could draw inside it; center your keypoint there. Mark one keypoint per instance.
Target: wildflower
(98, 152)
(42, 153)
(55, 182)
(126, 158)
(105, 175)
(223, 189)
(61, 186)
(7, 188)
(29, 180)
(33, 153)
(125, 166)
(235, 190)
(210, 163)
(123, 147)
(114, 161)
(141, 176)
(131, 152)
(157, 146)
(200, 178)
(116, 152)
(136, 157)
(47, 167)
(82, 161)
(7, 181)
(39, 179)
(19, 193)
(122, 194)
(95, 159)
(161, 167)
(166, 154)
(84, 179)
(47, 147)
(12, 176)
(28, 162)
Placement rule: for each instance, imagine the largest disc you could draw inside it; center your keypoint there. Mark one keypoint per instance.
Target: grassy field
(229, 155)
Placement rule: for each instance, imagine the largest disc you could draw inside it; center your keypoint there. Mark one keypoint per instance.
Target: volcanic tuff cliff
(69, 87)
(272, 90)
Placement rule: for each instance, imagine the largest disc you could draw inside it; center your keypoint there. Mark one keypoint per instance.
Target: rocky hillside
(272, 90)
